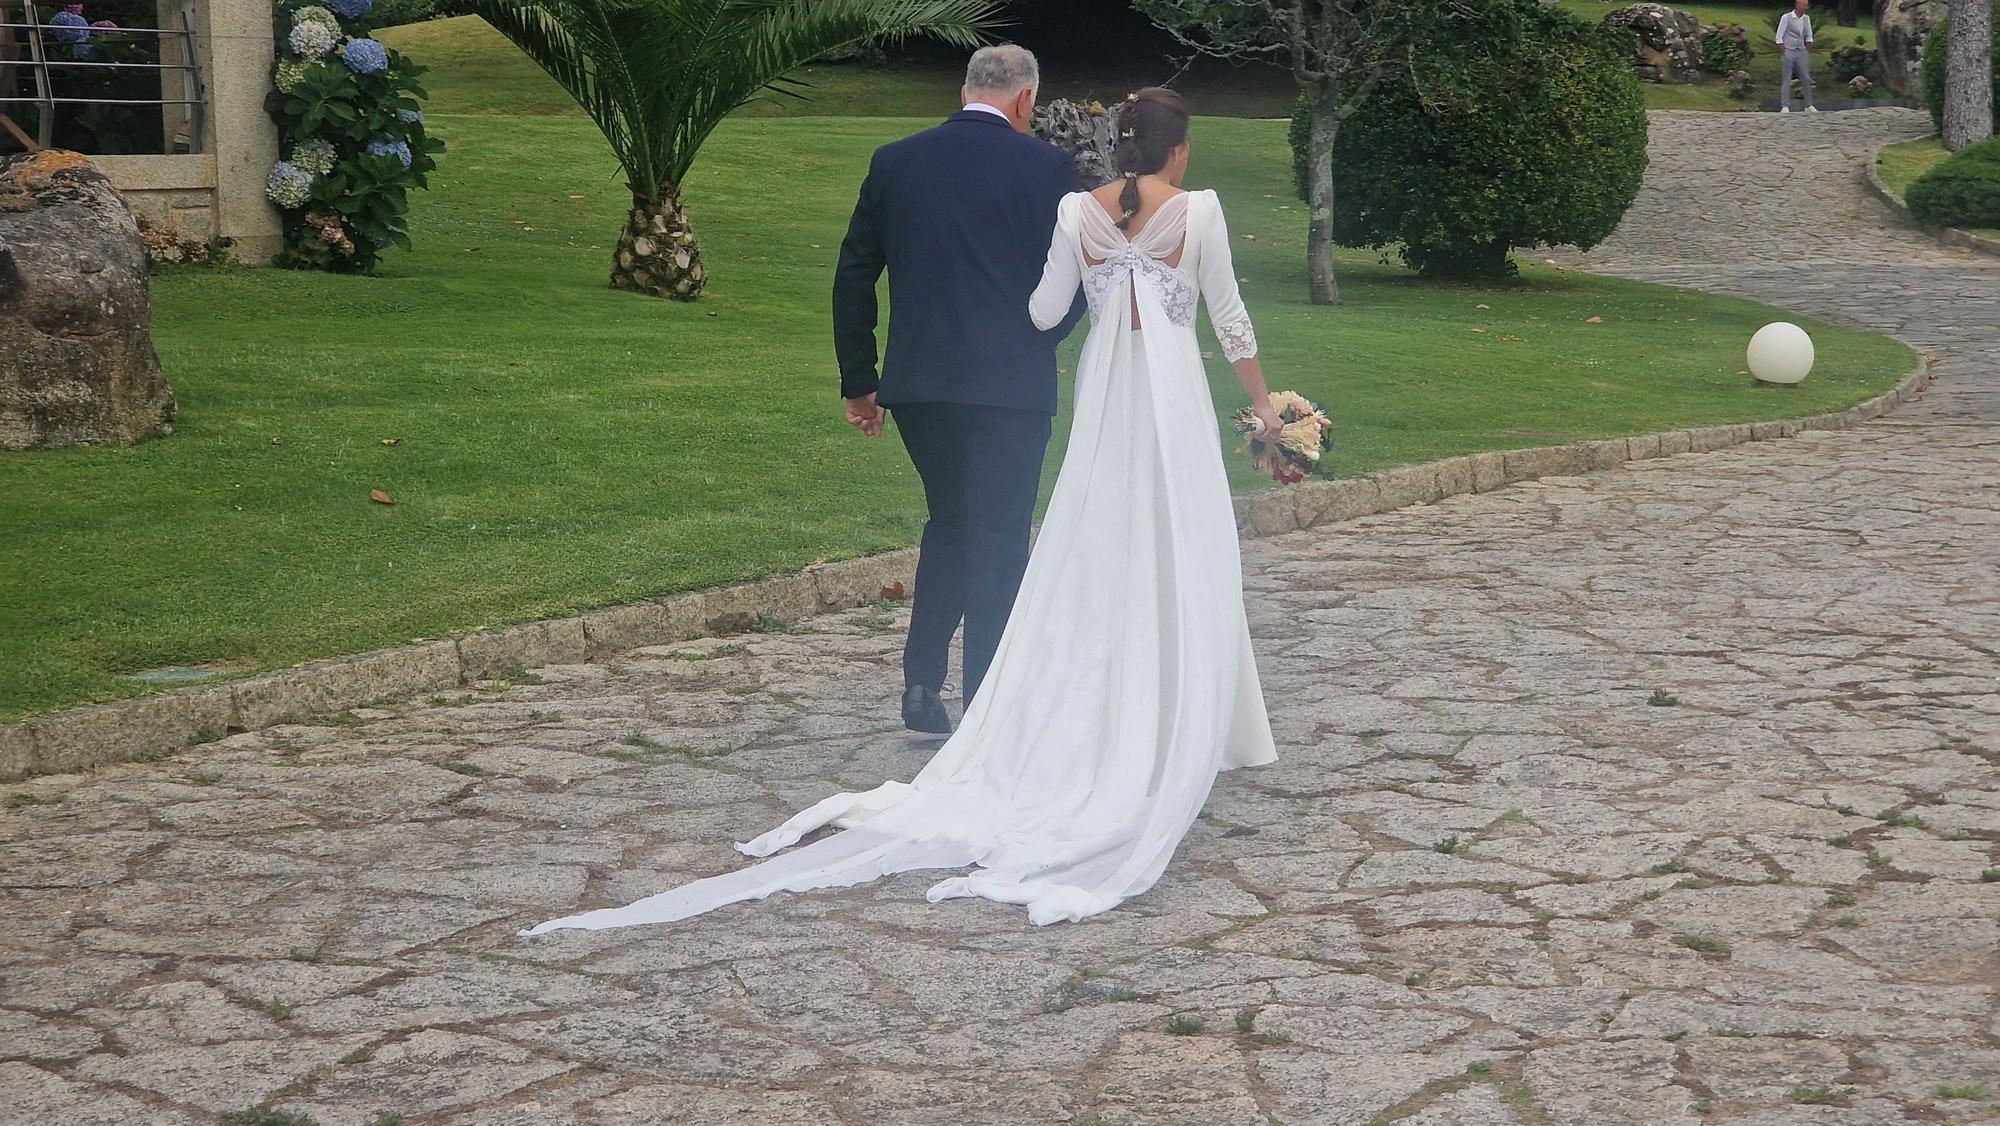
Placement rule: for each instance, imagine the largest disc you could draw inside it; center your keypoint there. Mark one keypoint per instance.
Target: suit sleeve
(855, 308)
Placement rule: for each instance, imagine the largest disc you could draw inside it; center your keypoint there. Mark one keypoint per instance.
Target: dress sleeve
(1216, 272)
(1052, 299)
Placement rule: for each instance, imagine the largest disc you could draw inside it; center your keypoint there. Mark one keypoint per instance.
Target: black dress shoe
(924, 712)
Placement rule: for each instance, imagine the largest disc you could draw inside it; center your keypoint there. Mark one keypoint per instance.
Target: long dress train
(1124, 681)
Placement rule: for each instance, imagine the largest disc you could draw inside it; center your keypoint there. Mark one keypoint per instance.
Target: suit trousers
(1797, 64)
(982, 474)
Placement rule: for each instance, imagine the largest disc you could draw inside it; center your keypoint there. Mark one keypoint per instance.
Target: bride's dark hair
(1152, 124)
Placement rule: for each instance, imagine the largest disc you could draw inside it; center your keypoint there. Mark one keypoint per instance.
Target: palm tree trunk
(657, 252)
(1968, 69)
(1325, 99)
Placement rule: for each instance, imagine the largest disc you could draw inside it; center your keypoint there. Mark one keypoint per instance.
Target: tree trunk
(1850, 13)
(657, 252)
(1325, 100)
(1968, 74)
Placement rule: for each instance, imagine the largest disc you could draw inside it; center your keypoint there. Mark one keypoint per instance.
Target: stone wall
(218, 191)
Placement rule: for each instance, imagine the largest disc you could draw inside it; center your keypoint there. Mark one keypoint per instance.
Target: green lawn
(560, 446)
(476, 71)
(1900, 165)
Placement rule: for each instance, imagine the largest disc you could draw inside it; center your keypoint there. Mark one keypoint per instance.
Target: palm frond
(658, 76)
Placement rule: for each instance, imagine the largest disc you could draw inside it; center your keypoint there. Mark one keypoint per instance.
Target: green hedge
(1932, 74)
(1961, 192)
(1516, 125)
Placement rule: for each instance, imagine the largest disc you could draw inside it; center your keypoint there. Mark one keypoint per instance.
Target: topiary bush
(1518, 125)
(1961, 192)
(1932, 74)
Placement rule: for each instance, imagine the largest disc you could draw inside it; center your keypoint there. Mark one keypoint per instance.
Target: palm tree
(657, 76)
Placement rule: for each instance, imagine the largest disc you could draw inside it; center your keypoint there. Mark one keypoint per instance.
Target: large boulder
(1668, 43)
(1901, 27)
(77, 366)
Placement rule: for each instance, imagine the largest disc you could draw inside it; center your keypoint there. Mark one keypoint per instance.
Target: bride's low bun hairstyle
(1151, 125)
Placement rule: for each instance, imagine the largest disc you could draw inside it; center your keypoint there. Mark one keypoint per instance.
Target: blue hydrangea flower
(365, 56)
(86, 52)
(315, 156)
(313, 40)
(352, 9)
(289, 185)
(69, 27)
(410, 116)
(313, 13)
(384, 146)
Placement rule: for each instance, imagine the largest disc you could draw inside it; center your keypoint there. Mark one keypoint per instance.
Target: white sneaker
(1784, 109)
(1812, 109)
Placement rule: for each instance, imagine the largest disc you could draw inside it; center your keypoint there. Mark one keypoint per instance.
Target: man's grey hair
(1005, 70)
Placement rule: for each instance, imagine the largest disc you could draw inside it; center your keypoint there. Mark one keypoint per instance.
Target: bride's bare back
(1154, 194)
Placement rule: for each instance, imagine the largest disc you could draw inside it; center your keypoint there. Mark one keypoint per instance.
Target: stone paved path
(1665, 796)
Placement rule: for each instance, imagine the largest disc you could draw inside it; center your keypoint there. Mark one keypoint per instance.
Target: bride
(1124, 681)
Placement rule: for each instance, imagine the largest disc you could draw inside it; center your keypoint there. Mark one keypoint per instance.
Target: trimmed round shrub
(1961, 192)
(1521, 125)
(1932, 73)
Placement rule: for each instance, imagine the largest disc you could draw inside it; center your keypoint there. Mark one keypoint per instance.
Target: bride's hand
(1273, 425)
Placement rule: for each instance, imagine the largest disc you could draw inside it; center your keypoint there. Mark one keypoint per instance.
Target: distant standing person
(1795, 38)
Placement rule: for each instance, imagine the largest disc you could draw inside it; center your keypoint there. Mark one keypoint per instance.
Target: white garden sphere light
(1781, 352)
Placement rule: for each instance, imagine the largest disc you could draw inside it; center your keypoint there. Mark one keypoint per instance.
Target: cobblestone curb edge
(1950, 236)
(158, 725)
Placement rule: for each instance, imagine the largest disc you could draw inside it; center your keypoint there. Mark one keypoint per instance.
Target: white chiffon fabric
(1124, 681)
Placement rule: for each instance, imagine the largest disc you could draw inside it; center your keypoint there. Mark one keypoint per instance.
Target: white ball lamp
(1781, 352)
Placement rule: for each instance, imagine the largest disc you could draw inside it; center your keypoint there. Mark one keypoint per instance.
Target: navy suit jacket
(960, 215)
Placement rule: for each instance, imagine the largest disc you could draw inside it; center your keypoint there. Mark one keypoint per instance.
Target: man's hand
(866, 415)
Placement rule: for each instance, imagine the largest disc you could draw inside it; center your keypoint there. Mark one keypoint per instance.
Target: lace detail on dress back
(1110, 256)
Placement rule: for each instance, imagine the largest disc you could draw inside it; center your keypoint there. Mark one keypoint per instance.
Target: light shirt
(984, 108)
(1794, 31)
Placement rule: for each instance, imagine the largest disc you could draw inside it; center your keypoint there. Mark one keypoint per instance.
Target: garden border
(1950, 236)
(146, 727)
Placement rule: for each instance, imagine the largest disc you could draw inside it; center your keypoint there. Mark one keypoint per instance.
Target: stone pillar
(237, 38)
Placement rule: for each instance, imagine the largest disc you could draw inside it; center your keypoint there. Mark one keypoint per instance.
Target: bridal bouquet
(1294, 452)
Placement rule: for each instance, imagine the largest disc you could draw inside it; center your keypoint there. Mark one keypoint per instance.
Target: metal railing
(32, 34)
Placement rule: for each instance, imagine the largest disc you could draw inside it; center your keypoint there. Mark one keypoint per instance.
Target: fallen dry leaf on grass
(1595, 321)
(390, 441)
(894, 592)
(1480, 331)
(380, 497)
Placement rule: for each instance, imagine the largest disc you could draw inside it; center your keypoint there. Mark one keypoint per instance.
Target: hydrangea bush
(353, 138)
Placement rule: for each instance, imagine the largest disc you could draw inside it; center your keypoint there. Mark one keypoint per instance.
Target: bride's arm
(1052, 300)
(1215, 271)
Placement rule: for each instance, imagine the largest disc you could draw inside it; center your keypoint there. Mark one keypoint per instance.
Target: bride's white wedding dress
(1124, 680)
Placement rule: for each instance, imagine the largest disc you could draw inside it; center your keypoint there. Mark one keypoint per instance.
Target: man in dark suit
(960, 216)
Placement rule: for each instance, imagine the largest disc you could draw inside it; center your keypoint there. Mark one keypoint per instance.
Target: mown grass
(561, 446)
(475, 70)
